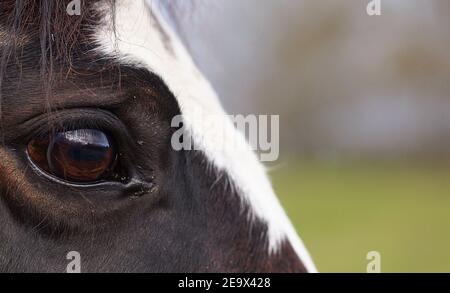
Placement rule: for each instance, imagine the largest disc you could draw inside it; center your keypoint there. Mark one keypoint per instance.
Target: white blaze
(138, 41)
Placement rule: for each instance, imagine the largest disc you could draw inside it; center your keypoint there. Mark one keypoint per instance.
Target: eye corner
(36, 152)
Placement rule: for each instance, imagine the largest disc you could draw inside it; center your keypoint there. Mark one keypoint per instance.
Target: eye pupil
(83, 155)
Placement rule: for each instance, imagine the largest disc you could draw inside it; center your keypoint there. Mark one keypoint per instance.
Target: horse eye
(83, 155)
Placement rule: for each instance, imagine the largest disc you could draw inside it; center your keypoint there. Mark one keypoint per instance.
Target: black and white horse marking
(121, 68)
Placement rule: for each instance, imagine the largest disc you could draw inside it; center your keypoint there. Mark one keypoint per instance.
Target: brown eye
(83, 155)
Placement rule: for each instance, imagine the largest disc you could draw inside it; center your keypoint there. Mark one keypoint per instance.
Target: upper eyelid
(63, 120)
(67, 98)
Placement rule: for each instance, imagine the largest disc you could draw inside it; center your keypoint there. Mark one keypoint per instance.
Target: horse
(87, 163)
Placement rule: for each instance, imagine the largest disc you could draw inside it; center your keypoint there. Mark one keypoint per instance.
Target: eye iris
(81, 155)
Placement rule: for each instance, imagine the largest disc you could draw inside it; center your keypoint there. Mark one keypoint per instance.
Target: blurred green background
(344, 210)
(364, 109)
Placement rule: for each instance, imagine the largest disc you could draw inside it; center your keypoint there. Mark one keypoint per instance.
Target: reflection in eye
(83, 155)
